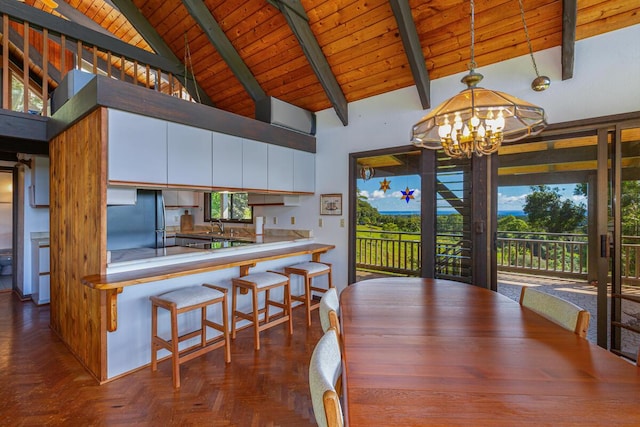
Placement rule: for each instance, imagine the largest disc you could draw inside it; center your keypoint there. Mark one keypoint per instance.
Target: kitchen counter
(189, 261)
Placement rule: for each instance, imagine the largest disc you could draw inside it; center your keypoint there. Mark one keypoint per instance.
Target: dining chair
(556, 309)
(325, 370)
(330, 310)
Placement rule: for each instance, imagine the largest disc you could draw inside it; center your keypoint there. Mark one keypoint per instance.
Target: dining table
(424, 352)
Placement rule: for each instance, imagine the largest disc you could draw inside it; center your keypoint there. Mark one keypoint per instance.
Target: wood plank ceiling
(350, 49)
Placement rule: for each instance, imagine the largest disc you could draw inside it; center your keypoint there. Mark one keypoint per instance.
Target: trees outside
(547, 212)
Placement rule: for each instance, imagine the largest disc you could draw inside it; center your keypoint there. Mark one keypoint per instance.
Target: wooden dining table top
(420, 352)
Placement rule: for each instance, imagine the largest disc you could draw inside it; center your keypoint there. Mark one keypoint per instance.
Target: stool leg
(329, 279)
(175, 356)
(267, 299)
(154, 334)
(307, 302)
(256, 320)
(287, 302)
(203, 326)
(233, 312)
(225, 326)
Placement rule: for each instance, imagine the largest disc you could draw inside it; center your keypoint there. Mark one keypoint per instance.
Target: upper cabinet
(147, 152)
(280, 168)
(137, 149)
(227, 161)
(304, 172)
(180, 198)
(254, 164)
(39, 189)
(189, 156)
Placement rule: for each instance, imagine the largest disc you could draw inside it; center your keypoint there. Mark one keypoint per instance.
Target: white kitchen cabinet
(304, 171)
(189, 156)
(137, 149)
(40, 274)
(39, 189)
(121, 196)
(227, 161)
(280, 168)
(180, 198)
(254, 165)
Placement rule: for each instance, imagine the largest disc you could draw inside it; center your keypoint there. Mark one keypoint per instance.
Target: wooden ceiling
(350, 50)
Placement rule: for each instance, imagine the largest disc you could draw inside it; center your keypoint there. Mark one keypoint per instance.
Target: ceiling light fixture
(477, 120)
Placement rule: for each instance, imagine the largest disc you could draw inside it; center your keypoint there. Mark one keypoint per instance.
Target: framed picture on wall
(331, 204)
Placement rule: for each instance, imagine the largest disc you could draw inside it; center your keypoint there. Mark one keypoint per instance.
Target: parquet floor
(42, 384)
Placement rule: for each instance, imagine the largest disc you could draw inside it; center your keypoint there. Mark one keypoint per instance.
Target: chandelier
(477, 120)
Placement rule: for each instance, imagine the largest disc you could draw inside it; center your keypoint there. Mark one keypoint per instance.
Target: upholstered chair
(325, 370)
(330, 310)
(556, 309)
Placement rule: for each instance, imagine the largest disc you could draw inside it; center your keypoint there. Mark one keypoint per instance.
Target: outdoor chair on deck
(556, 309)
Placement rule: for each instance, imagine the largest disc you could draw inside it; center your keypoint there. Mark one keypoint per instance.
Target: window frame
(207, 210)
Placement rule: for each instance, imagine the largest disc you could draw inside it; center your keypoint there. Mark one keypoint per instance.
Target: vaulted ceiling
(319, 54)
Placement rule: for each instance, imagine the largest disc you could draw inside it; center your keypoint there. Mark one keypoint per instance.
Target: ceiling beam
(202, 15)
(73, 15)
(413, 49)
(298, 20)
(569, 22)
(157, 43)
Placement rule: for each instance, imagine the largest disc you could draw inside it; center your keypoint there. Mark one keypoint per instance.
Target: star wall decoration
(407, 194)
(385, 185)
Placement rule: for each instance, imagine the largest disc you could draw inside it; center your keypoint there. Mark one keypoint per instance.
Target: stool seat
(256, 283)
(182, 301)
(309, 270)
(262, 280)
(311, 267)
(190, 296)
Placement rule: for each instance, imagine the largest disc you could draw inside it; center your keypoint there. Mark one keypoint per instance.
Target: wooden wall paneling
(78, 238)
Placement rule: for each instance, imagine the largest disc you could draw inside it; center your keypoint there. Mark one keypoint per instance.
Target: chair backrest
(325, 370)
(556, 309)
(330, 310)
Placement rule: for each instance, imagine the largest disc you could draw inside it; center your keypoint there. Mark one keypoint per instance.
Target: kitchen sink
(217, 244)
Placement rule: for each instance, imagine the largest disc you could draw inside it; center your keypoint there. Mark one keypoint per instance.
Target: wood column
(78, 238)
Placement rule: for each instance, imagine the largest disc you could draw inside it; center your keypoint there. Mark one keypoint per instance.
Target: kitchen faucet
(219, 224)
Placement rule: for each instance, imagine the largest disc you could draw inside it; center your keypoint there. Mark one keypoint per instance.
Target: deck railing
(552, 253)
(389, 252)
(523, 252)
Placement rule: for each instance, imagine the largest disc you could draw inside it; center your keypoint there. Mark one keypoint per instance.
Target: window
(233, 207)
(17, 95)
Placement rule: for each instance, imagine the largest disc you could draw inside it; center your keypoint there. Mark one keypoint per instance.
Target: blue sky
(509, 198)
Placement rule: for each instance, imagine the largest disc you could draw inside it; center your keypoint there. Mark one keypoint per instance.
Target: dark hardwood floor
(41, 383)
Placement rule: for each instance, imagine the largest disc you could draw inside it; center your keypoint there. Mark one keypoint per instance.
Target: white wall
(605, 82)
(36, 220)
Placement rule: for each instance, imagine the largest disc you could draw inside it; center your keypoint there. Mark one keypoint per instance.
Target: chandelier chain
(526, 33)
(472, 63)
(187, 60)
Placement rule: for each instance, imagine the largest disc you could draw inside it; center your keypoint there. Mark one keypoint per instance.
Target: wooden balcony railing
(563, 255)
(389, 252)
(39, 53)
(551, 253)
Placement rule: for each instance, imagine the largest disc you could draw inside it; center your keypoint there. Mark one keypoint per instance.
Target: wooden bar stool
(181, 301)
(256, 283)
(309, 270)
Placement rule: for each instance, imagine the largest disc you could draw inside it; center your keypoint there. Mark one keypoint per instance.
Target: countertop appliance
(137, 226)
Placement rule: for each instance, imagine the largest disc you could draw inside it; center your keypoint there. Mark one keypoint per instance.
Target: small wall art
(331, 204)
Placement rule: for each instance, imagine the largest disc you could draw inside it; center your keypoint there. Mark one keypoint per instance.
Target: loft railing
(530, 253)
(38, 55)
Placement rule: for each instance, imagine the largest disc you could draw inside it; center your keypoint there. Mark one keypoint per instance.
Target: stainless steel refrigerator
(137, 226)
